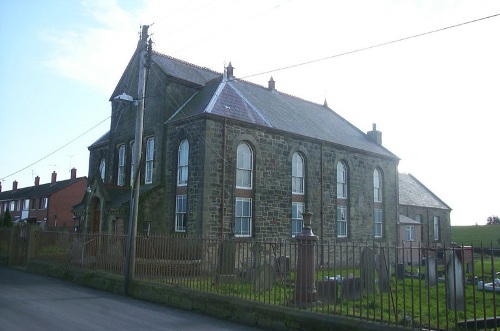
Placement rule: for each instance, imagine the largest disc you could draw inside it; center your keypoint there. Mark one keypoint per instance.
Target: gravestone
(383, 271)
(328, 290)
(368, 270)
(455, 287)
(263, 277)
(351, 288)
(227, 255)
(430, 272)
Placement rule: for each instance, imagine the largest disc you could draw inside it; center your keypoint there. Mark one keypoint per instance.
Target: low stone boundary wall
(219, 306)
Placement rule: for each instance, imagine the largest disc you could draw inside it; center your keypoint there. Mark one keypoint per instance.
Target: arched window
(150, 151)
(377, 186)
(102, 168)
(341, 180)
(120, 180)
(378, 214)
(297, 174)
(182, 163)
(244, 166)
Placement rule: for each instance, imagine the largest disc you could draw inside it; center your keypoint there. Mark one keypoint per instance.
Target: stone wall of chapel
(272, 184)
(427, 215)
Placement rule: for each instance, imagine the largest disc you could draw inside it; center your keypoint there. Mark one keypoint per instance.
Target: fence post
(305, 289)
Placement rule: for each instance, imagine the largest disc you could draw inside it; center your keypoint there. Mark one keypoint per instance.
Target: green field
(476, 234)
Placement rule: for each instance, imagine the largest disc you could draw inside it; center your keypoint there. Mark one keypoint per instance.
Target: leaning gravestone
(368, 270)
(430, 271)
(383, 272)
(455, 287)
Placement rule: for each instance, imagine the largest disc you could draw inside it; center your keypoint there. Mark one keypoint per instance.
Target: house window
(377, 186)
(121, 166)
(132, 158)
(341, 180)
(180, 213)
(410, 233)
(18, 205)
(418, 218)
(26, 204)
(244, 166)
(297, 174)
(341, 221)
(297, 219)
(436, 228)
(102, 168)
(182, 163)
(12, 206)
(243, 217)
(150, 150)
(377, 223)
(33, 203)
(43, 203)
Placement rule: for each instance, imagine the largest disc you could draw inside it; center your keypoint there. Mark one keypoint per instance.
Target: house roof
(413, 193)
(406, 220)
(42, 190)
(104, 139)
(244, 101)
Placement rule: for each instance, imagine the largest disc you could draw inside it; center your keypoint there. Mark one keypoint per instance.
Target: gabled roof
(413, 193)
(42, 190)
(103, 140)
(406, 220)
(255, 104)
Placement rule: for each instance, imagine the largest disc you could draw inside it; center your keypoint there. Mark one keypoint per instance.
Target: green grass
(476, 234)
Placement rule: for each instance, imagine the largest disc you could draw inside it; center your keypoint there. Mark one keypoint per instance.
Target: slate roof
(414, 193)
(406, 220)
(255, 104)
(42, 190)
(104, 139)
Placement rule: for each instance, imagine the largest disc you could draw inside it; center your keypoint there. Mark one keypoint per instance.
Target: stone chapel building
(226, 157)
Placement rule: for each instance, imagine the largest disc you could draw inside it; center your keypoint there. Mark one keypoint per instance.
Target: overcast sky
(435, 97)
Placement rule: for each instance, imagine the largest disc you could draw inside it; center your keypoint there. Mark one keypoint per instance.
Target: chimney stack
(54, 177)
(37, 180)
(73, 173)
(375, 135)
(271, 84)
(229, 71)
(14, 185)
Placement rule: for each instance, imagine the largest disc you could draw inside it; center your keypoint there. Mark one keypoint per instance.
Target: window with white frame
(410, 233)
(180, 213)
(244, 166)
(12, 206)
(26, 204)
(150, 150)
(182, 163)
(243, 217)
(18, 205)
(436, 228)
(102, 168)
(297, 174)
(132, 159)
(377, 186)
(377, 223)
(341, 221)
(297, 218)
(120, 180)
(341, 180)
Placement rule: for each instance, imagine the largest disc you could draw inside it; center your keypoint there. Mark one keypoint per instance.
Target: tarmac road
(34, 302)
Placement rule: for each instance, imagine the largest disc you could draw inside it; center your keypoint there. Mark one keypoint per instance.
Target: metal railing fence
(444, 288)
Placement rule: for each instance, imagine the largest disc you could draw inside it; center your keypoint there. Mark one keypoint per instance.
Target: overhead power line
(58, 149)
(369, 47)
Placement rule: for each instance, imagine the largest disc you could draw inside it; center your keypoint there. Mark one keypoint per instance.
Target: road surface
(34, 302)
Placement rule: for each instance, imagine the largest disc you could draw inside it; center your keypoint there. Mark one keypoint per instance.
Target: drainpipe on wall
(321, 205)
(222, 209)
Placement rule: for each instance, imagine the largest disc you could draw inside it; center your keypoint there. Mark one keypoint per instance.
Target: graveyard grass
(409, 302)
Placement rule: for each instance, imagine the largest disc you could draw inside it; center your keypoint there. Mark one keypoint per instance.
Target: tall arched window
(378, 215)
(244, 166)
(150, 151)
(102, 169)
(120, 180)
(244, 195)
(341, 180)
(297, 174)
(182, 163)
(377, 186)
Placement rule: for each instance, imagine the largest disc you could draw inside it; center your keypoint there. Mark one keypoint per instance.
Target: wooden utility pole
(142, 49)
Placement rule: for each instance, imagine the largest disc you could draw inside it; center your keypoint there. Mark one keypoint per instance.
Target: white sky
(435, 98)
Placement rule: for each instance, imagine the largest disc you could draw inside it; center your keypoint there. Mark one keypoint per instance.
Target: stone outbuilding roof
(413, 193)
